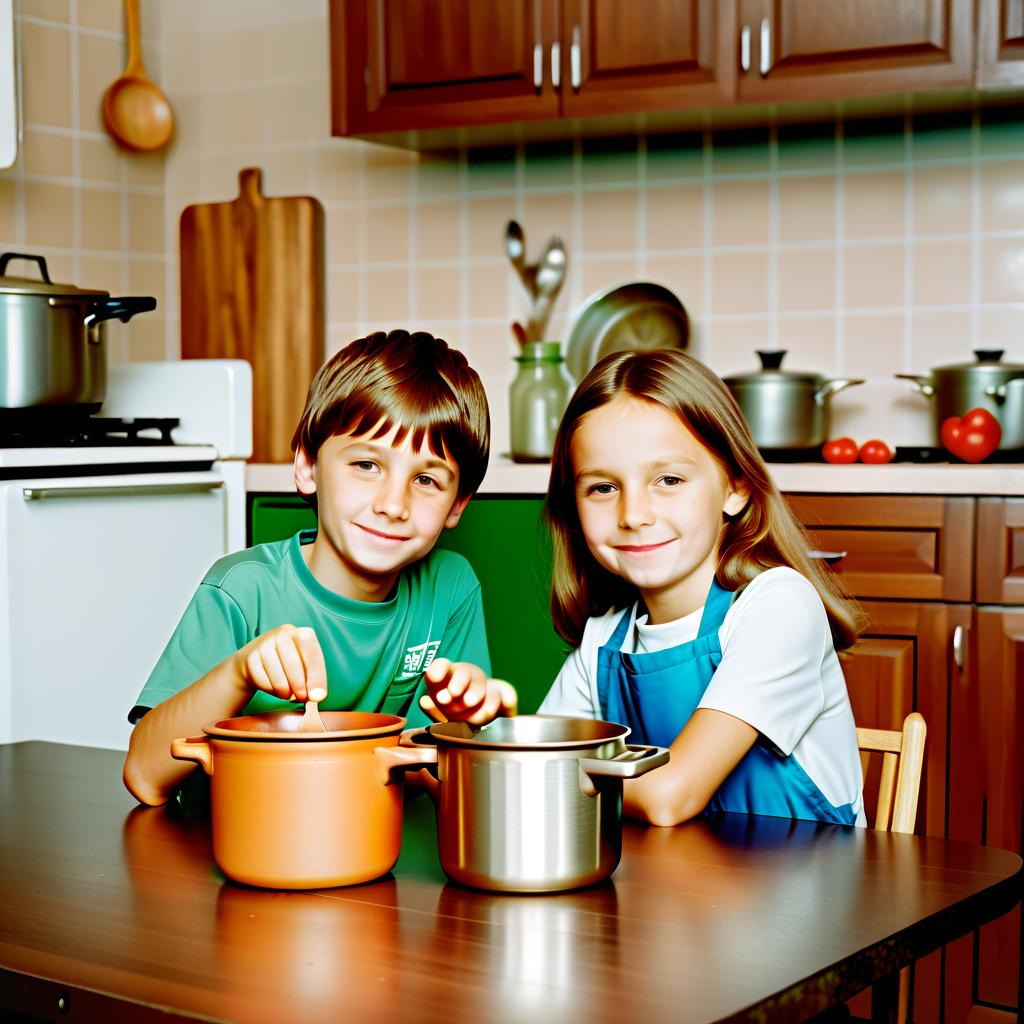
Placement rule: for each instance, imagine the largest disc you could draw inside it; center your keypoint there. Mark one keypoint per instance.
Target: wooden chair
(898, 788)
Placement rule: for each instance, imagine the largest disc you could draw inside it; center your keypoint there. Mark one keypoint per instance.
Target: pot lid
(533, 732)
(771, 372)
(11, 284)
(987, 361)
(284, 725)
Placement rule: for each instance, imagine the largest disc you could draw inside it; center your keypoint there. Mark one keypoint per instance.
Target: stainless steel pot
(533, 803)
(987, 383)
(786, 409)
(52, 339)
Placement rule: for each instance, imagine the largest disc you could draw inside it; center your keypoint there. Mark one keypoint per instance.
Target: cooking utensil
(135, 111)
(987, 383)
(532, 803)
(547, 284)
(783, 408)
(629, 317)
(515, 246)
(53, 339)
(520, 334)
(252, 287)
(303, 810)
(311, 720)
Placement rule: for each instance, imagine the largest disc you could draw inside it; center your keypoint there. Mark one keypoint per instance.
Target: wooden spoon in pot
(311, 720)
(135, 111)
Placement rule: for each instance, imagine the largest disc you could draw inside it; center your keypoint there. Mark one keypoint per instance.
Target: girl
(721, 638)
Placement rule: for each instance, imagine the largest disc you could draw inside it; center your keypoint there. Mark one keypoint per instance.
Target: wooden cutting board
(252, 287)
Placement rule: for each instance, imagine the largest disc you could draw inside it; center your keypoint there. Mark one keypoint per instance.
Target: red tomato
(840, 450)
(973, 436)
(875, 452)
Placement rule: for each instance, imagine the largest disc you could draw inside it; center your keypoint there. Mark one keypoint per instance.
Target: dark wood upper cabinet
(1000, 43)
(809, 50)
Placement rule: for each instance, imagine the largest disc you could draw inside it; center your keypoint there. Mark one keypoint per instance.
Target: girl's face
(650, 499)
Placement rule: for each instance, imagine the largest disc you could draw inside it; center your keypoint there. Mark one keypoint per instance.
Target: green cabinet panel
(508, 547)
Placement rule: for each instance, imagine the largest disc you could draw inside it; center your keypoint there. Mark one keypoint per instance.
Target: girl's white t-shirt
(779, 673)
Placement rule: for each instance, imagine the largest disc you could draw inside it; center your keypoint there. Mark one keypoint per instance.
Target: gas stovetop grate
(86, 432)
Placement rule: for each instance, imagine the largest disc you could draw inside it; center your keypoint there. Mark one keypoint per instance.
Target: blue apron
(656, 693)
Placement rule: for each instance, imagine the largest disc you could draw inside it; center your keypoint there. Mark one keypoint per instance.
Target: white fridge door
(98, 572)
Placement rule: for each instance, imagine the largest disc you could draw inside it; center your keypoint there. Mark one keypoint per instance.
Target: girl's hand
(461, 692)
(287, 662)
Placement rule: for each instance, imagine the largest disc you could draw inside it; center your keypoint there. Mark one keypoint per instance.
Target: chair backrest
(900, 782)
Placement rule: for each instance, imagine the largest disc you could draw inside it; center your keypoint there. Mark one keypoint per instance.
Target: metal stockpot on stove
(303, 810)
(533, 803)
(52, 339)
(785, 409)
(987, 383)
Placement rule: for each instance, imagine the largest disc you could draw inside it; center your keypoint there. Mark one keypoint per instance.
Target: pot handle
(923, 384)
(635, 760)
(393, 762)
(830, 387)
(195, 748)
(8, 256)
(122, 309)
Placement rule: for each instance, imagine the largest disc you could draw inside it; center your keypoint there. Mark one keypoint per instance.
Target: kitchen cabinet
(941, 580)
(400, 65)
(504, 541)
(1000, 56)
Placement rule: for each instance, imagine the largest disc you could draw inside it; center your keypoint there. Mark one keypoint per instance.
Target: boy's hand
(461, 692)
(286, 662)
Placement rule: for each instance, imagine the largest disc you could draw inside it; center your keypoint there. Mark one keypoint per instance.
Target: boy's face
(380, 508)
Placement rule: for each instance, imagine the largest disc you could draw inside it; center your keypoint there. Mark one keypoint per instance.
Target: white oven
(103, 542)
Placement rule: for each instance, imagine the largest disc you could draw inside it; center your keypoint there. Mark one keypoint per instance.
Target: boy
(392, 444)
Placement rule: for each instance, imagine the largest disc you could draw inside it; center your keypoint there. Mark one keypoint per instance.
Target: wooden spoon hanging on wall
(135, 111)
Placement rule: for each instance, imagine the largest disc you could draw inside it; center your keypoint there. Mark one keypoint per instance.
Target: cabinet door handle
(538, 67)
(745, 48)
(830, 557)
(575, 66)
(122, 491)
(556, 64)
(766, 46)
(959, 647)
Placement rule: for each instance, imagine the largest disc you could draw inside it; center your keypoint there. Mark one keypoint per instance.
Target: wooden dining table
(112, 912)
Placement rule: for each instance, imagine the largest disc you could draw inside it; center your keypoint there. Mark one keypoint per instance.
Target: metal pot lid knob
(771, 358)
(988, 355)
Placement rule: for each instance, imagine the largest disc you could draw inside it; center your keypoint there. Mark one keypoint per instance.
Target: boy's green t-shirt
(375, 652)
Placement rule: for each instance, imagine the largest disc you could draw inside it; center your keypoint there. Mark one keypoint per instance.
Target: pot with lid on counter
(53, 339)
(987, 383)
(785, 408)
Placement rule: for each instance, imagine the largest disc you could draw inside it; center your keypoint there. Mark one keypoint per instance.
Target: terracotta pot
(294, 810)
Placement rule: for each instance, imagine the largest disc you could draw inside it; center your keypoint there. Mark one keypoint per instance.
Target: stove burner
(84, 432)
(919, 455)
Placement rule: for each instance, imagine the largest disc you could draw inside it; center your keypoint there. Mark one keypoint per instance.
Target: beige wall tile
(46, 96)
(438, 234)
(146, 223)
(342, 299)
(49, 10)
(101, 219)
(488, 291)
(105, 273)
(335, 171)
(99, 159)
(547, 215)
(609, 221)
(61, 265)
(942, 200)
(46, 153)
(807, 279)
(387, 298)
(1000, 328)
(872, 276)
(341, 233)
(147, 339)
(937, 339)
(740, 212)
(145, 168)
(438, 292)
(49, 215)
(675, 217)
(387, 172)
(105, 16)
(599, 275)
(807, 209)
(100, 60)
(232, 118)
(873, 204)
(490, 349)
(684, 275)
(8, 211)
(942, 273)
(387, 233)
(809, 342)
(436, 173)
(1002, 270)
(1002, 196)
(284, 114)
(739, 282)
(872, 345)
(486, 220)
(148, 279)
(730, 345)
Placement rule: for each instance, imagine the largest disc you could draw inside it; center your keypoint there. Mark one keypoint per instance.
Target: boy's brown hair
(413, 380)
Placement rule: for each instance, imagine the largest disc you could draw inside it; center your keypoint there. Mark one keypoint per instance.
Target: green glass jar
(537, 399)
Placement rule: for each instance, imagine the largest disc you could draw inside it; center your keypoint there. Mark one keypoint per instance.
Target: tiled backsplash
(866, 248)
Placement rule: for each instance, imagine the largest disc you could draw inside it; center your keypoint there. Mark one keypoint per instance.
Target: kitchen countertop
(507, 477)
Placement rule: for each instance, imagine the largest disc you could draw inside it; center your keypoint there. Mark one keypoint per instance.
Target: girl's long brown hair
(764, 535)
